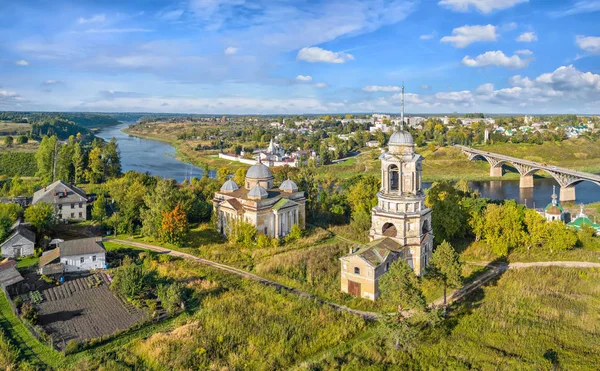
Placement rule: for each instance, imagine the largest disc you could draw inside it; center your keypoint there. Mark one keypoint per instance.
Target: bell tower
(401, 213)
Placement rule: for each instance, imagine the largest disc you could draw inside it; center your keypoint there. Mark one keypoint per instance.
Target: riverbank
(185, 151)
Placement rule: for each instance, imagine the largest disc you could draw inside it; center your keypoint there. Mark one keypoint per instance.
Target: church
(272, 210)
(400, 223)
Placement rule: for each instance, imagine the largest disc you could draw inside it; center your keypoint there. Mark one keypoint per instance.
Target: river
(154, 157)
(151, 156)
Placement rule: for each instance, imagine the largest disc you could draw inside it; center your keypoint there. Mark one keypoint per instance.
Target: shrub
(131, 280)
(295, 234)
(29, 312)
(170, 296)
(71, 347)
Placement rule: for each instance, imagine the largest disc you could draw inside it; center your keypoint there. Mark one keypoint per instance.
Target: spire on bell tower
(554, 195)
(402, 109)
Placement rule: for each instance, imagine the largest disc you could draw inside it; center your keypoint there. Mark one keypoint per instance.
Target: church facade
(272, 210)
(400, 223)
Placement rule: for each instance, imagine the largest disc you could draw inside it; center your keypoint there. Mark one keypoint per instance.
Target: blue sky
(285, 56)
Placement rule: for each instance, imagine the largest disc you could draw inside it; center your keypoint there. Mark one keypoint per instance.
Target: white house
(21, 242)
(70, 201)
(79, 255)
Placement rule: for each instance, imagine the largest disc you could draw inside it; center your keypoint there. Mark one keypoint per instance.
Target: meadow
(537, 318)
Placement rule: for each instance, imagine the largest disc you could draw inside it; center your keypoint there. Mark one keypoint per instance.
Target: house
(79, 255)
(9, 274)
(272, 210)
(21, 242)
(362, 268)
(70, 201)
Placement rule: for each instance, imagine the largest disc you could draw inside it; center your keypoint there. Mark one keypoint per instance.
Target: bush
(71, 347)
(131, 280)
(170, 296)
(29, 312)
(295, 234)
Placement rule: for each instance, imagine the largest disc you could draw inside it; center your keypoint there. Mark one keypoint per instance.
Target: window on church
(393, 174)
(357, 270)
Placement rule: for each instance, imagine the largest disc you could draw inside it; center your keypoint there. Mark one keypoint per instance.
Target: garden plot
(84, 309)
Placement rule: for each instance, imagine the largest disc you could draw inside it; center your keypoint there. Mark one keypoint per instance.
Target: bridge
(566, 178)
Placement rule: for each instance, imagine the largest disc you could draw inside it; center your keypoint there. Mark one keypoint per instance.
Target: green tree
(537, 230)
(362, 195)
(130, 279)
(41, 215)
(95, 170)
(22, 139)
(448, 218)
(170, 296)
(64, 163)
(8, 140)
(240, 176)
(295, 234)
(560, 237)
(162, 198)
(45, 159)
(504, 227)
(445, 267)
(112, 158)
(222, 174)
(78, 163)
(400, 287)
(99, 208)
(241, 232)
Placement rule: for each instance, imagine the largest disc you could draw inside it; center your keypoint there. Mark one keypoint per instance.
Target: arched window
(389, 230)
(425, 227)
(393, 176)
(357, 270)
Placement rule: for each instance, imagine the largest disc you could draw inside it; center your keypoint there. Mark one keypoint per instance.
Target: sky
(300, 57)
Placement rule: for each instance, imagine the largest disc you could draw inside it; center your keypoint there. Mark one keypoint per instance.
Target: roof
(288, 186)
(259, 171)
(258, 192)
(20, 230)
(401, 137)
(554, 209)
(81, 246)
(376, 252)
(229, 186)
(9, 274)
(54, 193)
(49, 257)
(582, 221)
(235, 204)
(283, 203)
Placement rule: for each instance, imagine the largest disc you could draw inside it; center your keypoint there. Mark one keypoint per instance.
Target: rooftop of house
(20, 230)
(376, 252)
(8, 273)
(59, 192)
(82, 246)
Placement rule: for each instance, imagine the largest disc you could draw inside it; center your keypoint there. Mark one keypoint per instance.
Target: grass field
(537, 318)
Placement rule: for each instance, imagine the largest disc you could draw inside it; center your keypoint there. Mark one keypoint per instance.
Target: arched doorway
(394, 177)
(389, 230)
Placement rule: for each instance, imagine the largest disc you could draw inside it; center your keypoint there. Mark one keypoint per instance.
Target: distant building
(70, 201)
(9, 274)
(582, 220)
(400, 223)
(377, 123)
(79, 255)
(372, 143)
(273, 211)
(554, 210)
(21, 242)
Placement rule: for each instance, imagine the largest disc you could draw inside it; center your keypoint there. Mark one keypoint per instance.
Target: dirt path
(245, 274)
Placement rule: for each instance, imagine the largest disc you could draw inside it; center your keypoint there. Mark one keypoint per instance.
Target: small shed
(9, 274)
(21, 242)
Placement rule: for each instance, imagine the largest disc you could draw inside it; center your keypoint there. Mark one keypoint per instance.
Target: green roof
(552, 209)
(582, 221)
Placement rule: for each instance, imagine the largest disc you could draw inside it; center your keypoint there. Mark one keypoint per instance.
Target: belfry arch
(389, 230)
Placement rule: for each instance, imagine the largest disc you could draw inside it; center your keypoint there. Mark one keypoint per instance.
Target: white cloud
(94, 19)
(117, 30)
(304, 78)
(463, 97)
(484, 6)
(10, 99)
(320, 85)
(582, 6)
(495, 58)
(380, 88)
(524, 52)
(22, 62)
(315, 54)
(427, 37)
(230, 50)
(171, 15)
(590, 44)
(465, 35)
(527, 37)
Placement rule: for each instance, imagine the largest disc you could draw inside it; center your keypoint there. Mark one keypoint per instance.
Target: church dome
(229, 186)
(288, 186)
(259, 171)
(400, 138)
(258, 192)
